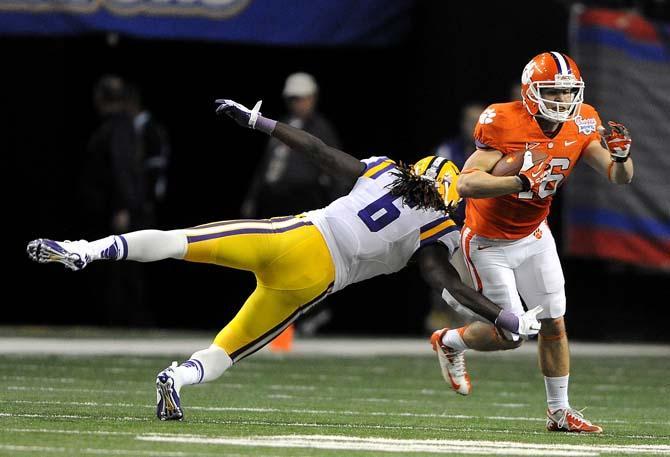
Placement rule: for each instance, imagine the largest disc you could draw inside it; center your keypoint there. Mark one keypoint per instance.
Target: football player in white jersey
(387, 218)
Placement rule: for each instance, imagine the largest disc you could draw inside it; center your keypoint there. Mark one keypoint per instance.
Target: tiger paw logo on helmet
(527, 75)
(546, 73)
(487, 116)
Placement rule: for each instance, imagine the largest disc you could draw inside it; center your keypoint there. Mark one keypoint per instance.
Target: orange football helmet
(552, 70)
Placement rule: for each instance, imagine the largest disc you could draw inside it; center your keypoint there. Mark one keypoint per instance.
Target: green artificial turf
(62, 405)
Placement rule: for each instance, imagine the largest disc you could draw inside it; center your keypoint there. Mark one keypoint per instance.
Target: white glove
(239, 113)
(528, 324)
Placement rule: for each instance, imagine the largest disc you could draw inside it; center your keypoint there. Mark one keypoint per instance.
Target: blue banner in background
(267, 22)
(625, 60)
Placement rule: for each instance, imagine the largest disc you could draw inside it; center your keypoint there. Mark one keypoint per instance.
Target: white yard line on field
(335, 426)
(339, 442)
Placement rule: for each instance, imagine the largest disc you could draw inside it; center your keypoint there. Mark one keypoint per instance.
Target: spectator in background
(153, 149)
(286, 182)
(457, 149)
(113, 177)
(114, 193)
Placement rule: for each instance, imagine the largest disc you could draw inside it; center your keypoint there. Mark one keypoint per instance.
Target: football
(510, 164)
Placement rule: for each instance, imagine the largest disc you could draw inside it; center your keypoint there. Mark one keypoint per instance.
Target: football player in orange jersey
(508, 246)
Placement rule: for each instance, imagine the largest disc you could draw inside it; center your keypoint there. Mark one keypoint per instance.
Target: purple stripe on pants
(236, 356)
(222, 223)
(211, 236)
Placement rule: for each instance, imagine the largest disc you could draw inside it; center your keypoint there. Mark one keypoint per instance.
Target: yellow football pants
(293, 268)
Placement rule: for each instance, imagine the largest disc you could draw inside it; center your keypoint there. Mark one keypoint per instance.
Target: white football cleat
(570, 420)
(73, 254)
(452, 364)
(168, 403)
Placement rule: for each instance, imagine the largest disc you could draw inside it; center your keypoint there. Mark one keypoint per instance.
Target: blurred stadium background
(394, 76)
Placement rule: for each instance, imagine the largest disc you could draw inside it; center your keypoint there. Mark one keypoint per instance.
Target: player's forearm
(481, 305)
(299, 140)
(330, 160)
(440, 274)
(621, 172)
(475, 301)
(305, 143)
(479, 184)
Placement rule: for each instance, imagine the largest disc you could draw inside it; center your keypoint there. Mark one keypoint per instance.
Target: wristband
(265, 125)
(508, 321)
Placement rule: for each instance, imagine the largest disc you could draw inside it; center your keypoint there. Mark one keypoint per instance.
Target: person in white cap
(300, 92)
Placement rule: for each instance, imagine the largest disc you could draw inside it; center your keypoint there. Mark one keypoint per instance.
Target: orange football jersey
(508, 127)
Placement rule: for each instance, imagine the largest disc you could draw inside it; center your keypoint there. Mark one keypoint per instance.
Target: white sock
(153, 245)
(204, 366)
(454, 340)
(557, 392)
(110, 247)
(141, 246)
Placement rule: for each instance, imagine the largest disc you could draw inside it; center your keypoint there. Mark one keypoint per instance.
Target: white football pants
(503, 269)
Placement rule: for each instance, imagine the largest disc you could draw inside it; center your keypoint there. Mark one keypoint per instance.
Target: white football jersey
(371, 232)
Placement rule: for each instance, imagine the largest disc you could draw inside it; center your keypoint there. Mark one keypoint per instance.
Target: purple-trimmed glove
(525, 325)
(244, 116)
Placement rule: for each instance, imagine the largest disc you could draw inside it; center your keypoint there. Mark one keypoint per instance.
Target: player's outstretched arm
(438, 272)
(329, 159)
(611, 155)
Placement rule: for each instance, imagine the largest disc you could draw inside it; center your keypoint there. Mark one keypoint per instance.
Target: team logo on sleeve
(487, 116)
(586, 126)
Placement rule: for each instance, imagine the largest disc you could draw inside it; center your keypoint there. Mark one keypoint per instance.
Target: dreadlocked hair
(419, 190)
